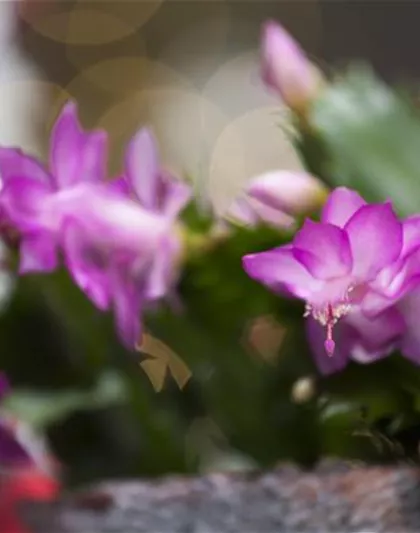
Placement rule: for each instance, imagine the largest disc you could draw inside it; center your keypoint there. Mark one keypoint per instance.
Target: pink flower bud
(294, 193)
(277, 197)
(286, 68)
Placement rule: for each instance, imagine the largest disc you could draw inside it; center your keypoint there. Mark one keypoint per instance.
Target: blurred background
(224, 385)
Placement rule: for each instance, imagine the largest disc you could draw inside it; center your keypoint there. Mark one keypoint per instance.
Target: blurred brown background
(190, 69)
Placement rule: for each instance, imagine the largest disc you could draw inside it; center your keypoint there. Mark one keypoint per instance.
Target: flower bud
(286, 68)
(293, 193)
(251, 212)
(277, 197)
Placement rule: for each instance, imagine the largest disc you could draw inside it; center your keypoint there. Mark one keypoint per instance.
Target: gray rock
(334, 498)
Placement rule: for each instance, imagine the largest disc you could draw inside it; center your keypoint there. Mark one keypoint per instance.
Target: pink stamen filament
(329, 343)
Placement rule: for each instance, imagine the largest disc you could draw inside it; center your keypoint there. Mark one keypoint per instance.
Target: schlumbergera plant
(287, 330)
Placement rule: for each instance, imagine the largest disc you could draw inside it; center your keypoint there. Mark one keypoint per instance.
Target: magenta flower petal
(341, 205)
(22, 200)
(392, 283)
(12, 452)
(163, 269)
(376, 239)
(411, 234)
(127, 308)
(119, 186)
(363, 356)
(75, 155)
(87, 268)
(374, 303)
(407, 276)
(112, 220)
(409, 306)
(155, 189)
(280, 267)
(14, 163)
(38, 253)
(176, 196)
(329, 250)
(157, 285)
(142, 168)
(379, 332)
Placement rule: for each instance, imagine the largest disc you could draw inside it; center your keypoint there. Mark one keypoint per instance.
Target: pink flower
(333, 264)
(31, 192)
(386, 320)
(120, 248)
(129, 276)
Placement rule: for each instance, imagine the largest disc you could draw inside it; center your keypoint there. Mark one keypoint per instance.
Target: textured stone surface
(334, 498)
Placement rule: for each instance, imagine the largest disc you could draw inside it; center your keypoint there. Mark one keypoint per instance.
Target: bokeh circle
(249, 145)
(81, 23)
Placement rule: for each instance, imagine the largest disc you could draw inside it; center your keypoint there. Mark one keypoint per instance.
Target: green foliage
(371, 139)
(220, 302)
(39, 409)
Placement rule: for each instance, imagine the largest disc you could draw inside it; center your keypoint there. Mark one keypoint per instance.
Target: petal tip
(70, 109)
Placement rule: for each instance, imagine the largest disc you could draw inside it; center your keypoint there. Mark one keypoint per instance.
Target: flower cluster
(118, 238)
(358, 270)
